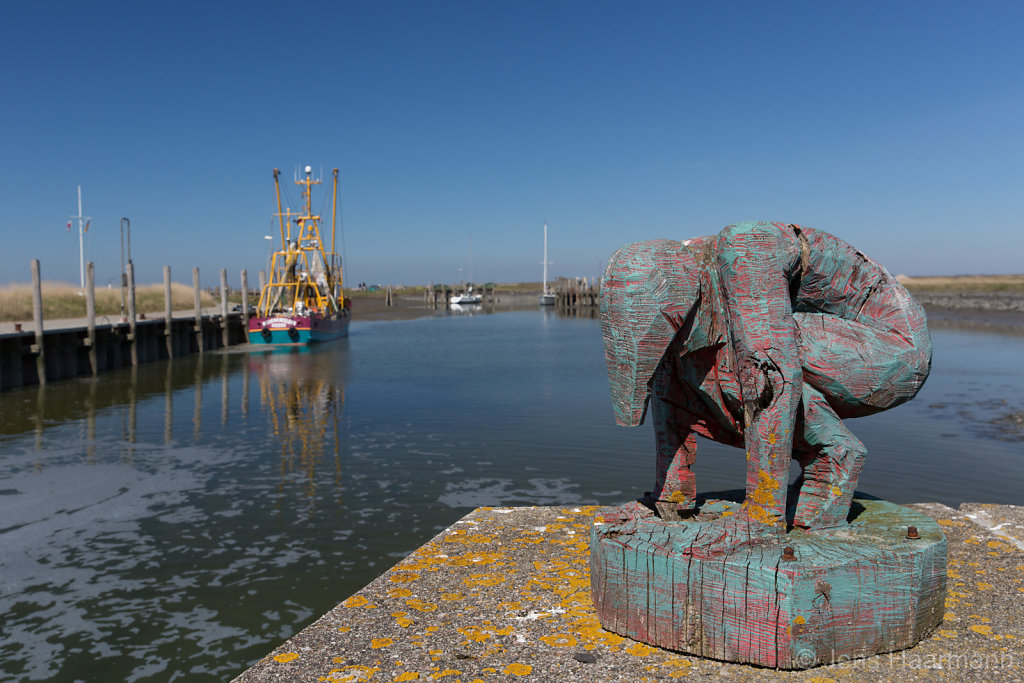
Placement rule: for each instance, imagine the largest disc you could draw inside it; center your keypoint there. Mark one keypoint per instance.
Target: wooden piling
(168, 312)
(131, 315)
(245, 302)
(37, 319)
(388, 301)
(199, 309)
(90, 315)
(224, 306)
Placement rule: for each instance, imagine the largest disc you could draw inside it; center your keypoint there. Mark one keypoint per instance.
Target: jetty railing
(84, 347)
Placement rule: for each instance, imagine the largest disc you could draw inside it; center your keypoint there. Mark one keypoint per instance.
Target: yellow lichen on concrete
(474, 634)
(640, 650)
(444, 673)
(403, 577)
(286, 657)
(484, 579)
(421, 605)
(559, 640)
(355, 601)
(452, 597)
(356, 673)
(517, 669)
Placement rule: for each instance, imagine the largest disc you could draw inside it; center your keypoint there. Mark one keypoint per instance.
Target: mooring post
(224, 331)
(131, 314)
(245, 304)
(387, 297)
(168, 313)
(37, 318)
(199, 309)
(90, 314)
(263, 281)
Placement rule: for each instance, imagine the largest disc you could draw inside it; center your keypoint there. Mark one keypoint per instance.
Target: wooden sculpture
(763, 337)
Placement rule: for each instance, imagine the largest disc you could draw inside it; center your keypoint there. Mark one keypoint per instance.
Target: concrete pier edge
(504, 594)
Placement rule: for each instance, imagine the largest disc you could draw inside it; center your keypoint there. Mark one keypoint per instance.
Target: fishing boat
(547, 297)
(302, 301)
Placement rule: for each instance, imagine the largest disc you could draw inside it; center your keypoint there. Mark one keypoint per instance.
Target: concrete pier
(504, 594)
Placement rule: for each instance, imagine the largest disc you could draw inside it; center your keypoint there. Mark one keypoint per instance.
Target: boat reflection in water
(302, 394)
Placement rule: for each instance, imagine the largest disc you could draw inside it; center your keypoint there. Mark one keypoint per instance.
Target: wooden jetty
(577, 293)
(83, 347)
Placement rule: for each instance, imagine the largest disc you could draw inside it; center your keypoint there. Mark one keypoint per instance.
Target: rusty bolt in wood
(912, 533)
(788, 554)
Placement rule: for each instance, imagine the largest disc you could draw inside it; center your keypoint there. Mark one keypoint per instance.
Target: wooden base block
(848, 592)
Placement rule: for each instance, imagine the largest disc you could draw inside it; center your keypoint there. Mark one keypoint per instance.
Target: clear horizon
(459, 128)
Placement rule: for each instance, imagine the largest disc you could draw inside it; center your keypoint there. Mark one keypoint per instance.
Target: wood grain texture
(765, 337)
(849, 592)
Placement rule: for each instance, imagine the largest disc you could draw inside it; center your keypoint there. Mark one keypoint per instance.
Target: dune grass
(64, 300)
(965, 283)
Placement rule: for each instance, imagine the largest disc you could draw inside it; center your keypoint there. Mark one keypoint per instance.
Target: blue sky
(896, 126)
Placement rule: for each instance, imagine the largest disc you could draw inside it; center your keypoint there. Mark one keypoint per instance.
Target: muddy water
(176, 521)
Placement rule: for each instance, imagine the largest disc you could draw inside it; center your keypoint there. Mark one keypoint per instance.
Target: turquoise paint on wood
(851, 591)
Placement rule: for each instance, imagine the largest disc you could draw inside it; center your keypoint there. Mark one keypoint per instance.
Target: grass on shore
(964, 283)
(63, 300)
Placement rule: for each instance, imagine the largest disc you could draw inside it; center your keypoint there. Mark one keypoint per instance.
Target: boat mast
(308, 182)
(545, 290)
(280, 214)
(334, 215)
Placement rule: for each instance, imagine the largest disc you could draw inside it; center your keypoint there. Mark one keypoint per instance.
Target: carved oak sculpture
(764, 337)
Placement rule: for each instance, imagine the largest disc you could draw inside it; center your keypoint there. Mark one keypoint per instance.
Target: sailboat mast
(545, 258)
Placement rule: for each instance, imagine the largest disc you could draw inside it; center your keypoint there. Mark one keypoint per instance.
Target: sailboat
(302, 301)
(547, 297)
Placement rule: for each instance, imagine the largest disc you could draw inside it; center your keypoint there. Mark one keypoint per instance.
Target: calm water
(179, 520)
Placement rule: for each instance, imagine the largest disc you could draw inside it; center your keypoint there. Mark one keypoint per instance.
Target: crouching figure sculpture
(765, 337)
